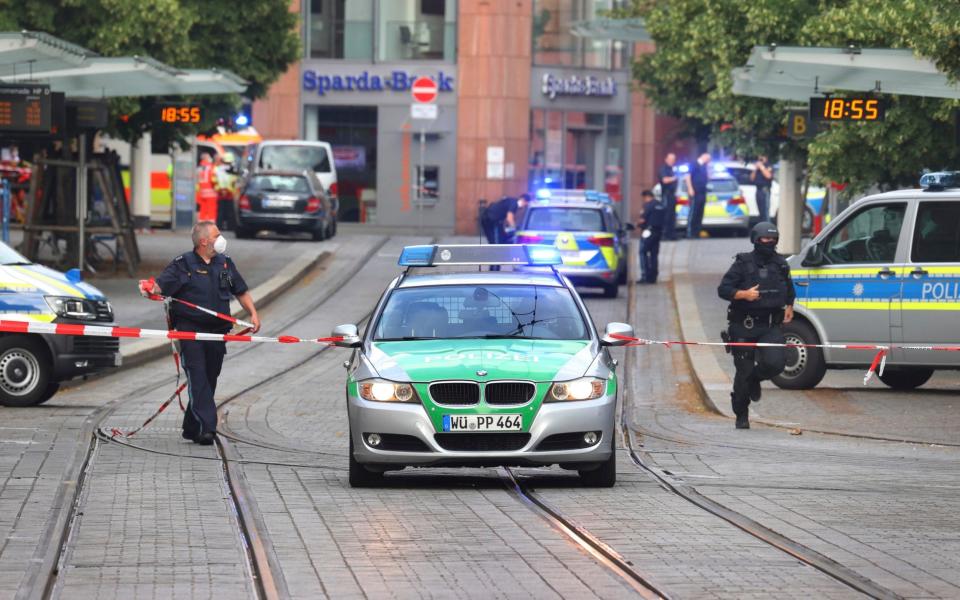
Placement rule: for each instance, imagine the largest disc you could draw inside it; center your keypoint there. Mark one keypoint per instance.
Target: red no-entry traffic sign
(424, 89)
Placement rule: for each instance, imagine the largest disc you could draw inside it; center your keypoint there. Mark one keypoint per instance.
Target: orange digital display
(847, 109)
(25, 108)
(180, 113)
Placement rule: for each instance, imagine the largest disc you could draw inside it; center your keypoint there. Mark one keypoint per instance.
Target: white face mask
(220, 245)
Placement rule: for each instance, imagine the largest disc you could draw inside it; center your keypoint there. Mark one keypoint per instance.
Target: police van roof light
(417, 256)
(543, 255)
(543, 194)
(940, 180)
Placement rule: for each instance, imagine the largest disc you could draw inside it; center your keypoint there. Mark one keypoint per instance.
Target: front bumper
(728, 222)
(82, 355)
(412, 420)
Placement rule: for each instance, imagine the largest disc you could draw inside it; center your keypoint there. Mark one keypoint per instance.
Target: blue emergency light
(940, 180)
(530, 255)
(543, 194)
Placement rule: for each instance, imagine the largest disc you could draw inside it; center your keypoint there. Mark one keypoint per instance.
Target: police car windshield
(472, 311)
(294, 157)
(556, 218)
(9, 256)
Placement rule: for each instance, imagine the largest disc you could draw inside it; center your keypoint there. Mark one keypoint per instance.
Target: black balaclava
(764, 229)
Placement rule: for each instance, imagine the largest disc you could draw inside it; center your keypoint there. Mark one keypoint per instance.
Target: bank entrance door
(584, 150)
(352, 131)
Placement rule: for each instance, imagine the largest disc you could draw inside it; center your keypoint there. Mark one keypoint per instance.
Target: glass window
(417, 30)
(869, 236)
(555, 218)
(431, 182)
(278, 183)
(295, 157)
(340, 29)
(476, 311)
(613, 167)
(937, 234)
(722, 185)
(554, 44)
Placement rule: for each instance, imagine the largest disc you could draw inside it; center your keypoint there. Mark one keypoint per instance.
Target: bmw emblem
(481, 373)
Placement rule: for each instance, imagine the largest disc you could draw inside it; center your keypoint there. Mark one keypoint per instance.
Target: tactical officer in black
(206, 277)
(760, 291)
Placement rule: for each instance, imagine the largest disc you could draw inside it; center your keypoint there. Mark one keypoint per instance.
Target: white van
(296, 156)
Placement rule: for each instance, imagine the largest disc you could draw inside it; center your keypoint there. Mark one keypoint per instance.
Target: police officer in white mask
(206, 277)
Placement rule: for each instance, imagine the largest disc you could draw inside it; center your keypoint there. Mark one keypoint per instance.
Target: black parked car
(284, 201)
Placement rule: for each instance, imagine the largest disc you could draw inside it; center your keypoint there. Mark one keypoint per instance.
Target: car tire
(360, 476)
(805, 367)
(622, 275)
(610, 290)
(906, 378)
(605, 475)
(243, 233)
(25, 371)
(52, 388)
(319, 234)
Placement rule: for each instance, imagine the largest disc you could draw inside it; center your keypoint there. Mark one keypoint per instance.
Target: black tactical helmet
(764, 229)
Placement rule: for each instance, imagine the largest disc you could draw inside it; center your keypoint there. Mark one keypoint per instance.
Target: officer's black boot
(205, 439)
(743, 422)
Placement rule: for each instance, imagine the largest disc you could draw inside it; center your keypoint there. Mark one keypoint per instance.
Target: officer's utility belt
(749, 321)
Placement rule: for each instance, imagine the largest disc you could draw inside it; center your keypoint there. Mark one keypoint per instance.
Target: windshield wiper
(17, 263)
(406, 338)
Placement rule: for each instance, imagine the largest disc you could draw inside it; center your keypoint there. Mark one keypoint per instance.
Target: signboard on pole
(423, 111)
(25, 108)
(424, 90)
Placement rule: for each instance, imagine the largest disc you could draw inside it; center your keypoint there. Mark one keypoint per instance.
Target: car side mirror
(350, 335)
(814, 256)
(617, 334)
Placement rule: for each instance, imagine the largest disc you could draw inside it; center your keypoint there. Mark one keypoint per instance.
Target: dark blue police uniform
(653, 219)
(209, 285)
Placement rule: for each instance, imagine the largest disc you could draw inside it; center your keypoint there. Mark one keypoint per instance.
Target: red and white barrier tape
(212, 313)
(136, 332)
(876, 366)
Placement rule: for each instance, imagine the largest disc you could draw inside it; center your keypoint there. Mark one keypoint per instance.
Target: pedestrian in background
(206, 277)
(651, 226)
(668, 195)
(762, 177)
(761, 294)
(697, 192)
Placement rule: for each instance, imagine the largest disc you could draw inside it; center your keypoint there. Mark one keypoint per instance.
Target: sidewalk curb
(712, 381)
(146, 350)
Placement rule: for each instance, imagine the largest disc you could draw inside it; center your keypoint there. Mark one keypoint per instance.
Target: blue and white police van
(885, 271)
(32, 366)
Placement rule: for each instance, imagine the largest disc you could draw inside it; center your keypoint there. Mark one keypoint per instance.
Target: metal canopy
(26, 52)
(78, 72)
(624, 30)
(793, 73)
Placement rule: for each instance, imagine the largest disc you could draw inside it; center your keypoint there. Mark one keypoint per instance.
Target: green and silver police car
(463, 367)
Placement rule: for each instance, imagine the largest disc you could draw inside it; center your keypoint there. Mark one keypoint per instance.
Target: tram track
(44, 581)
(795, 549)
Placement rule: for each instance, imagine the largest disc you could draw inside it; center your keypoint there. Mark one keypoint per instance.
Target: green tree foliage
(698, 42)
(256, 39)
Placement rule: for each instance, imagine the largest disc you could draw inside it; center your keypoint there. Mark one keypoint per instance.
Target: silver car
(886, 271)
(481, 368)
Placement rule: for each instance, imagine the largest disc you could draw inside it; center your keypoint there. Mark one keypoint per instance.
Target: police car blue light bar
(529, 255)
(940, 180)
(543, 194)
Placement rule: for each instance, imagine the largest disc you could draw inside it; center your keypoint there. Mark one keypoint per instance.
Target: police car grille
(455, 392)
(482, 442)
(85, 344)
(509, 392)
(104, 311)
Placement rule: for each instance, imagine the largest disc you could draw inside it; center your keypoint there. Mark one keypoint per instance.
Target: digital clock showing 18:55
(859, 109)
(180, 113)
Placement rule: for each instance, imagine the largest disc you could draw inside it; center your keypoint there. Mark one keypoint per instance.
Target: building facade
(522, 103)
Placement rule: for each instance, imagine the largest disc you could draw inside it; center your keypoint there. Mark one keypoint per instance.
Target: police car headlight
(585, 388)
(379, 390)
(71, 307)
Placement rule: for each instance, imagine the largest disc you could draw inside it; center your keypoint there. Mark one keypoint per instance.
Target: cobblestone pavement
(887, 510)
(161, 524)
